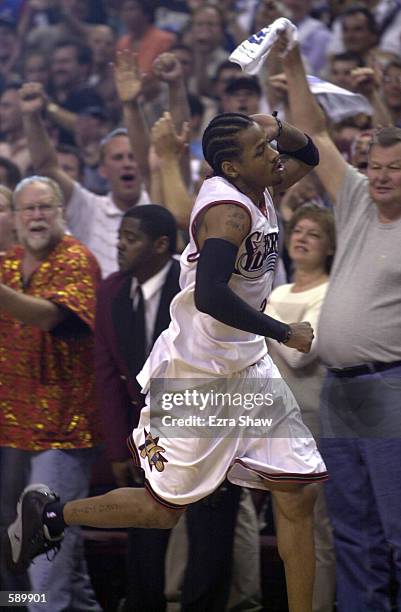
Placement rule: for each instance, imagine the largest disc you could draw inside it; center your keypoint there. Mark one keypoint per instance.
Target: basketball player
(217, 332)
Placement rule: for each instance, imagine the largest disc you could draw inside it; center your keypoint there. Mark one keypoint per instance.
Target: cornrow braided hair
(220, 142)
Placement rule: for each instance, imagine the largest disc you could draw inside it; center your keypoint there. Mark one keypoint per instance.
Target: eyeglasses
(45, 209)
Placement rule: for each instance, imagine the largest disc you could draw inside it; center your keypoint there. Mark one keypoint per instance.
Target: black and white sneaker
(28, 536)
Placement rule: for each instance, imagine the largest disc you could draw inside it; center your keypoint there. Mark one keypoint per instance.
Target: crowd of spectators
(109, 99)
(68, 46)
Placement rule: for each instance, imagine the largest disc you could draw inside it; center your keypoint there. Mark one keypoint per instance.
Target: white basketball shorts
(180, 469)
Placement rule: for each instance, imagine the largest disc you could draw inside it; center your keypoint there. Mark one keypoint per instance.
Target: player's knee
(168, 518)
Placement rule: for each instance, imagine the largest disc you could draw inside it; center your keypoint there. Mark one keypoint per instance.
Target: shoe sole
(22, 563)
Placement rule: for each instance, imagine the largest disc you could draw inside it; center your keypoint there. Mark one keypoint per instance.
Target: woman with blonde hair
(311, 243)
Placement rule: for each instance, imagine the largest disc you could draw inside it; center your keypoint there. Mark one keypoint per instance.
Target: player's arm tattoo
(226, 220)
(236, 219)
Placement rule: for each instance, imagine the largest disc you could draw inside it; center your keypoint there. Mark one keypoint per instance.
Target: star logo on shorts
(152, 451)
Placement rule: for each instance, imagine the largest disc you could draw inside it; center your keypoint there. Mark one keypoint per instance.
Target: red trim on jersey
(160, 500)
(288, 477)
(194, 256)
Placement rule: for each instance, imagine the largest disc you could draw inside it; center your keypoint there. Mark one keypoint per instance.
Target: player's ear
(229, 170)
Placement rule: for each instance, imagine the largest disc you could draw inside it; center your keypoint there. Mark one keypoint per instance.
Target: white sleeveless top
(196, 345)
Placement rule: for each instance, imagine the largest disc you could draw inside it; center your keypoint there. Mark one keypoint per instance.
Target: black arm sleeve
(309, 154)
(213, 296)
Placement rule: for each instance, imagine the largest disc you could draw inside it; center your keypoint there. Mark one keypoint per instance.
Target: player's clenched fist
(301, 336)
(32, 98)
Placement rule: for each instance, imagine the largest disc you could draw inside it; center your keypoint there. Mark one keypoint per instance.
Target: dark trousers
(211, 524)
(361, 445)
(146, 570)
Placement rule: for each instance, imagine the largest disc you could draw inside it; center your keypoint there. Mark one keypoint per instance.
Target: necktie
(139, 331)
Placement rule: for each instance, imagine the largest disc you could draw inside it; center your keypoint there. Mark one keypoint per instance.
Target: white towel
(338, 103)
(251, 53)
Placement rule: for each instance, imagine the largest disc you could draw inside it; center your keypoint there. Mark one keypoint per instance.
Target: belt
(365, 368)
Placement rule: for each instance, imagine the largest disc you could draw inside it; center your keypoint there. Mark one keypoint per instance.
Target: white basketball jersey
(196, 345)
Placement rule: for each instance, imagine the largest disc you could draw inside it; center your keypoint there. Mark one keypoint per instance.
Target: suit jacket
(118, 392)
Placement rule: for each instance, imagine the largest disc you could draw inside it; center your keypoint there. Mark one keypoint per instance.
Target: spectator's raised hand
(277, 84)
(155, 163)
(365, 81)
(127, 76)
(167, 67)
(165, 138)
(282, 45)
(33, 98)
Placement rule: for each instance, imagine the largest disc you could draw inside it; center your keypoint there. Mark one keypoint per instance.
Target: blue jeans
(65, 579)
(361, 445)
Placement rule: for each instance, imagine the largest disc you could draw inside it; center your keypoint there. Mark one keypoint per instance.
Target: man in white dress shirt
(91, 218)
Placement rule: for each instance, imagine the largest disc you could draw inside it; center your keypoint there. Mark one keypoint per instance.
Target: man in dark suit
(132, 311)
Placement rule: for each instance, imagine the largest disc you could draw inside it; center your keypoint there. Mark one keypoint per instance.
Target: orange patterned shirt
(47, 378)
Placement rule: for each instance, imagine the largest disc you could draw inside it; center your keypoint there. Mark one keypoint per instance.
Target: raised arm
(366, 82)
(61, 116)
(221, 232)
(308, 117)
(42, 152)
(300, 155)
(78, 29)
(128, 80)
(169, 147)
(168, 68)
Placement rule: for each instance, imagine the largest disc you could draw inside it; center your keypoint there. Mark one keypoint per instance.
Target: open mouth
(38, 230)
(128, 178)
